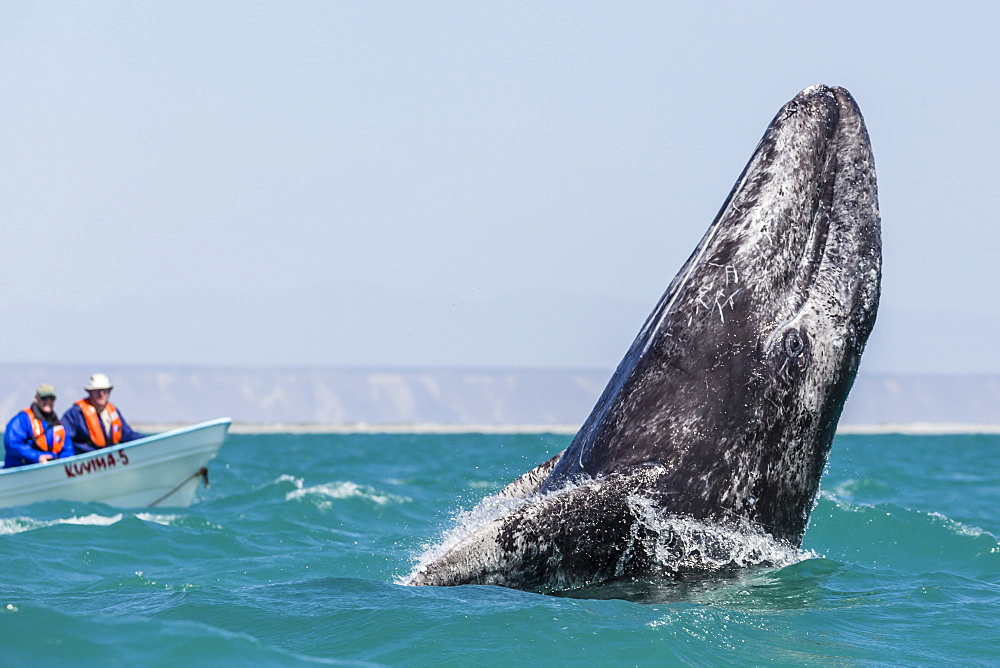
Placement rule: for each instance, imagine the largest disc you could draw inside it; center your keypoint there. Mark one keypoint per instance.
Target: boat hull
(159, 470)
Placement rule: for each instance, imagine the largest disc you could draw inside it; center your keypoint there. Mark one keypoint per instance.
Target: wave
(324, 494)
(16, 525)
(888, 535)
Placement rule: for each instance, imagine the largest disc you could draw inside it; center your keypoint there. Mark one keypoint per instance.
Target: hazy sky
(366, 183)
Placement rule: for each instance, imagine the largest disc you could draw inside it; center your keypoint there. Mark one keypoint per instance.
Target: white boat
(159, 470)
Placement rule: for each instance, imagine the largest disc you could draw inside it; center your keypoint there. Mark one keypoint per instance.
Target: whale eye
(791, 108)
(793, 343)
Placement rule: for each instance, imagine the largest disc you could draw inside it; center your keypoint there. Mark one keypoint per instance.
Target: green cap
(45, 390)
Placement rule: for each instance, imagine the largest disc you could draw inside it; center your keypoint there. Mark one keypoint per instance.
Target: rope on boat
(203, 472)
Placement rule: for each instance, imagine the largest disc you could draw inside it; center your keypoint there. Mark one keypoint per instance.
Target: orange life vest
(95, 427)
(38, 431)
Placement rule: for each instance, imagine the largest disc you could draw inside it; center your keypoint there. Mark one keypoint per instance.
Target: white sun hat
(99, 381)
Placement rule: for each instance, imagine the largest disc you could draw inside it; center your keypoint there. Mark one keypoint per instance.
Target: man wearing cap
(94, 422)
(35, 435)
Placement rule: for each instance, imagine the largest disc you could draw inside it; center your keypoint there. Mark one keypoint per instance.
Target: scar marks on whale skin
(717, 294)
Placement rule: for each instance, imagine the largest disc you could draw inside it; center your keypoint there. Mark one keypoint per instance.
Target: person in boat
(35, 435)
(94, 422)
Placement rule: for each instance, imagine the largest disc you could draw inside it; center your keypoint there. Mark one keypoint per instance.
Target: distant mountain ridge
(444, 396)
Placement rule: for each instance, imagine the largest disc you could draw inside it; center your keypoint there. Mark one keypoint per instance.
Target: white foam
(682, 543)
(284, 477)
(15, 525)
(344, 490)
(165, 520)
(463, 524)
(92, 520)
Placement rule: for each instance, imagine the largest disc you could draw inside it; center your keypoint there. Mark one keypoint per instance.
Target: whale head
(737, 379)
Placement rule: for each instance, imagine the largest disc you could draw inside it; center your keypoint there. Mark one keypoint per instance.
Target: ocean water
(294, 555)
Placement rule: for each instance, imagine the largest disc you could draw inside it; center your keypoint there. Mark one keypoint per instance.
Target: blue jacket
(19, 442)
(78, 434)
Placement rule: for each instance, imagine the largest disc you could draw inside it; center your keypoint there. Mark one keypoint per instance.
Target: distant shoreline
(917, 428)
(457, 400)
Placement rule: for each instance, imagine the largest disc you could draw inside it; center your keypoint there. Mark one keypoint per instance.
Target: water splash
(672, 545)
(464, 523)
(683, 544)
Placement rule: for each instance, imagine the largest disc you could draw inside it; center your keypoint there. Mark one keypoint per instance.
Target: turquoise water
(292, 558)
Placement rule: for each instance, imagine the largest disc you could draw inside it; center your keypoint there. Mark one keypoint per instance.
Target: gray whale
(705, 450)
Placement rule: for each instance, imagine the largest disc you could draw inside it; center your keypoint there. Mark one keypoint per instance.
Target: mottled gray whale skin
(720, 417)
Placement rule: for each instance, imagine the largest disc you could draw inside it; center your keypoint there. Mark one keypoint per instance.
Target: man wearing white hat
(94, 422)
(34, 435)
